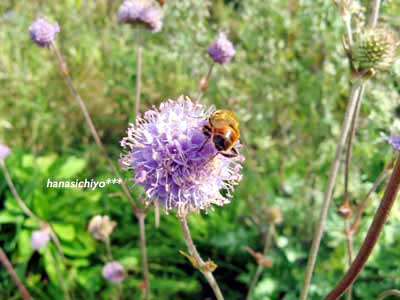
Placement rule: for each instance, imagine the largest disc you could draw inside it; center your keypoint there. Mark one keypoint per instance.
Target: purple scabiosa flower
(221, 50)
(394, 140)
(43, 32)
(4, 152)
(141, 12)
(175, 161)
(40, 238)
(113, 271)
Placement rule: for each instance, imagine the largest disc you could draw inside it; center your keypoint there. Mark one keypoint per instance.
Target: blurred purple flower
(43, 32)
(113, 271)
(394, 140)
(141, 12)
(4, 152)
(164, 151)
(40, 238)
(222, 49)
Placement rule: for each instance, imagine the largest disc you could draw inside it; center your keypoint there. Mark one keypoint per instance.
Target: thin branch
(204, 82)
(349, 150)
(10, 270)
(374, 231)
(260, 268)
(141, 218)
(88, 119)
(13, 190)
(349, 247)
(373, 17)
(200, 262)
(108, 248)
(388, 293)
(138, 73)
(363, 204)
(351, 106)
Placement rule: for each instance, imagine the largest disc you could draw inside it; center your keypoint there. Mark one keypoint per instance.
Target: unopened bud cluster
(375, 48)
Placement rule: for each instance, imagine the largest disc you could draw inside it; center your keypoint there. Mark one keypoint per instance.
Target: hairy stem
(138, 73)
(200, 262)
(374, 231)
(141, 218)
(10, 270)
(395, 293)
(267, 245)
(351, 106)
(108, 248)
(64, 71)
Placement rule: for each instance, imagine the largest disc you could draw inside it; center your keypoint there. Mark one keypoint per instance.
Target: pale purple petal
(43, 32)
(4, 152)
(113, 271)
(221, 50)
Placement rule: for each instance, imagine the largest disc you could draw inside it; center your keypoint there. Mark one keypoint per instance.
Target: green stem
(146, 278)
(138, 73)
(200, 262)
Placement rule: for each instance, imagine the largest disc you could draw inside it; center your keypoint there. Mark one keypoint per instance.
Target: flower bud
(221, 50)
(274, 215)
(101, 227)
(113, 271)
(375, 48)
(141, 12)
(40, 238)
(4, 152)
(345, 210)
(43, 32)
(394, 140)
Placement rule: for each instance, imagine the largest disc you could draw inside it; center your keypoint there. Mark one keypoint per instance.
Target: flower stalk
(68, 80)
(371, 239)
(138, 88)
(202, 266)
(145, 268)
(350, 110)
(260, 268)
(10, 270)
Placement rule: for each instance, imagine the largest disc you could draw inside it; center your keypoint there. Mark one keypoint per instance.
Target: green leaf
(72, 167)
(65, 232)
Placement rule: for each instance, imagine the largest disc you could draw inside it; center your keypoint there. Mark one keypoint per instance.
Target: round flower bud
(394, 140)
(40, 238)
(141, 12)
(174, 160)
(4, 152)
(43, 32)
(113, 271)
(375, 48)
(274, 215)
(101, 227)
(221, 50)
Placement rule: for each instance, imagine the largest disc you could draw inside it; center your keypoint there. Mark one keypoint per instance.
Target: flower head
(394, 140)
(101, 227)
(113, 271)
(43, 32)
(40, 238)
(221, 50)
(174, 160)
(375, 48)
(141, 12)
(4, 152)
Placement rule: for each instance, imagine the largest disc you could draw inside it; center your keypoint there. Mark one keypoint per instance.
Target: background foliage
(288, 84)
